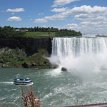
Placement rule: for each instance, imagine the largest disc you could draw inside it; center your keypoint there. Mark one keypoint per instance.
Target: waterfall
(80, 53)
(78, 46)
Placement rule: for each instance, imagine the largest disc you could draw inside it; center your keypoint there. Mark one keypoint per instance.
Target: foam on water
(7, 83)
(65, 89)
(86, 93)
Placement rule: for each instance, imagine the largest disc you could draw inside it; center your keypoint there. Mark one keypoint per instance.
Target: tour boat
(23, 81)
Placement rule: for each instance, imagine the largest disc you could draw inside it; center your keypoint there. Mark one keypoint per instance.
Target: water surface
(54, 90)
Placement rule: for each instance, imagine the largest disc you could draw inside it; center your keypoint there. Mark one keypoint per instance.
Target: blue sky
(87, 16)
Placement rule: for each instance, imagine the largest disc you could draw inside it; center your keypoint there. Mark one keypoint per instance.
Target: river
(54, 90)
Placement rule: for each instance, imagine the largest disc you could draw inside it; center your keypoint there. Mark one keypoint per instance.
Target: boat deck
(91, 105)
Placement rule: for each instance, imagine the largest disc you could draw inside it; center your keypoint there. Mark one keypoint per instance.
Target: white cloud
(89, 27)
(48, 18)
(82, 16)
(62, 2)
(89, 9)
(71, 26)
(56, 17)
(59, 10)
(78, 12)
(14, 18)
(15, 10)
(90, 19)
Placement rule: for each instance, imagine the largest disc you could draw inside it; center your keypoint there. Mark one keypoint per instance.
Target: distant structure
(28, 97)
(21, 30)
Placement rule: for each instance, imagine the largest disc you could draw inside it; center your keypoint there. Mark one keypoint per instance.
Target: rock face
(63, 69)
(30, 45)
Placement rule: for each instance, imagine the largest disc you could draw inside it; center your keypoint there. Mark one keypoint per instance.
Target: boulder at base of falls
(64, 69)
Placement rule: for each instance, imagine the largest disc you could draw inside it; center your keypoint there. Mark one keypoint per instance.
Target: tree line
(58, 32)
(8, 31)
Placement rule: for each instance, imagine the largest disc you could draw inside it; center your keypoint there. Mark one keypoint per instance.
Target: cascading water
(81, 54)
(78, 46)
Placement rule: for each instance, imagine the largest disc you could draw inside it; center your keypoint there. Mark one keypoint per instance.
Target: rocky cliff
(29, 45)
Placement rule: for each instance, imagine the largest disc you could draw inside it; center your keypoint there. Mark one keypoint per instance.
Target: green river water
(55, 90)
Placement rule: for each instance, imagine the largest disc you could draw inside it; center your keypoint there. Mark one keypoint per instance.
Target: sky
(87, 16)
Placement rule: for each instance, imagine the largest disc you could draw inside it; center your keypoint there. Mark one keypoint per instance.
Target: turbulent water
(84, 83)
(54, 90)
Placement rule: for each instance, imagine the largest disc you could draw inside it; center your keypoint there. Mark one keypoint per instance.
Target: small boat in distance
(23, 81)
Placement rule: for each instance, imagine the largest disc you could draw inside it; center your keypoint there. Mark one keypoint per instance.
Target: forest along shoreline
(28, 47)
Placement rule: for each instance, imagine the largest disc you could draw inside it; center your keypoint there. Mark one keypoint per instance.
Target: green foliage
(42, 29)
(64, 32)
(10, 32)
(38, 59)
(11, 56)
(17, 57)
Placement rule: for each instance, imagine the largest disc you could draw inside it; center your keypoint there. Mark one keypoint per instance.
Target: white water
(80, 54)
(6, 83)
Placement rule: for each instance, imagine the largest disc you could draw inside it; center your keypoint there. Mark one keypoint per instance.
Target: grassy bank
(18, 58)
(50, 34)
(39, 34)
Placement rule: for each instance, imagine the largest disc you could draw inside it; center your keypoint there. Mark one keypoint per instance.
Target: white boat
(23, 81)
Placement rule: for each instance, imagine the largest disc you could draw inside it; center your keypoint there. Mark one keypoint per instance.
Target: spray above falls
(79, 53)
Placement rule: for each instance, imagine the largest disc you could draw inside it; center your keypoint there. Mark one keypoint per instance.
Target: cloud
(97, 25)
(71, 26)
(59, 10)
(48, 18)
(82, 16)
(88, 19)
(14, 18)
(62, 2)
(15, 10)
(89, 9)
(81, 12)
